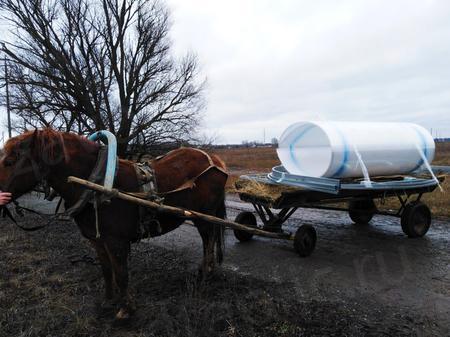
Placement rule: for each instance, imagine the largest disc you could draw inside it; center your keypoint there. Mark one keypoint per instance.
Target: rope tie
(97, 225)
(113, 193)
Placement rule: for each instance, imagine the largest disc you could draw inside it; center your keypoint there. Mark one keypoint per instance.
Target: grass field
(250, 160)
(442, 154)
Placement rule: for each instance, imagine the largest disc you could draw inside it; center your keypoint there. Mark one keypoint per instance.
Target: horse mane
(46, 143)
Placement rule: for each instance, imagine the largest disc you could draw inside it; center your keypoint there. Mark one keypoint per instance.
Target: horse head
(28, 158)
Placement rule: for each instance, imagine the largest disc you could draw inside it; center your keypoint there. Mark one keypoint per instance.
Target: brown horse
(50, 156)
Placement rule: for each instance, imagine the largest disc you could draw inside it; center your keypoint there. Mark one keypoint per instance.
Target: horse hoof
(123, 317)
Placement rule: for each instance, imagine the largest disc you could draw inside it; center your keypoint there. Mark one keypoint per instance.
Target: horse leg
(106, 268)
(118, 254)
(219, 231)
(206, 232)
(213, 240)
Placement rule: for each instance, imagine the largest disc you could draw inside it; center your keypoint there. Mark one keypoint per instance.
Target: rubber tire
(361, 211)
(305, 240)
(416, 219)
(248, 219)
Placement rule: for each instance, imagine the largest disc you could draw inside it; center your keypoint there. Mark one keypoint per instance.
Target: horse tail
(219, 231)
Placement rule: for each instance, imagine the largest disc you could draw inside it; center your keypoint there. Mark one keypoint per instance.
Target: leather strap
(96, 176)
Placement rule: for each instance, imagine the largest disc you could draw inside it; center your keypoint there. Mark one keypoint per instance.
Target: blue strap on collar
(108, 139)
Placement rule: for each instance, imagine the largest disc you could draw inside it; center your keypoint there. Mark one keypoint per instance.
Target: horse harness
(148, 225)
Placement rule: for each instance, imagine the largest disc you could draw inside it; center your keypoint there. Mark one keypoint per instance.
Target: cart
(318, 193)
(355, 197)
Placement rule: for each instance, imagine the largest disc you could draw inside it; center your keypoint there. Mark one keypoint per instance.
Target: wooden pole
(8, 109)
(186, 214)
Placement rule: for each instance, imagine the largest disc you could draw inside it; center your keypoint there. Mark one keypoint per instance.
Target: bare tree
(86, 65)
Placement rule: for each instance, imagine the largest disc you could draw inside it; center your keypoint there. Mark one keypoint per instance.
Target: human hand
(5, 197)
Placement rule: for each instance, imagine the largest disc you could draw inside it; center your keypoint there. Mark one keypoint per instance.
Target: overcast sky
(271, 63)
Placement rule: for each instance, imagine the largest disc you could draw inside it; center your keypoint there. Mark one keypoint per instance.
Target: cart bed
(304, 191)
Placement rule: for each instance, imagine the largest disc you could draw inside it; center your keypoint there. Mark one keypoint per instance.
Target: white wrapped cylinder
(330, 149)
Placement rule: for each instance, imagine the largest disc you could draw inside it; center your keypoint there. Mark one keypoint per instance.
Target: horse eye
(9, 161)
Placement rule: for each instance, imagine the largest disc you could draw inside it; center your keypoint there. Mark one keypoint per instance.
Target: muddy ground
(360, 281)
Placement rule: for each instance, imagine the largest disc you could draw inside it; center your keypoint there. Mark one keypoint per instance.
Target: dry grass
(249, 159)
(265, 191)
(439, 202)
(263, 159)
(258, 160)
(442, 156)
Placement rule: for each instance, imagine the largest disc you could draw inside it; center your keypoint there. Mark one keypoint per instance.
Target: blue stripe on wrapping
(345, 158)
(424, 148)
(295, 141)
(344, 161)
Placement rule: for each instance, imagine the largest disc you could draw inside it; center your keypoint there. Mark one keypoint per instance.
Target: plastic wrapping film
(336, 149)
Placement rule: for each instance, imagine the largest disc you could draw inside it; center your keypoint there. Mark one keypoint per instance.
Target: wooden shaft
(186, 214)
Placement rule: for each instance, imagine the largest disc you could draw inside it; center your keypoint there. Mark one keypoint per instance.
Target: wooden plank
(186, 214)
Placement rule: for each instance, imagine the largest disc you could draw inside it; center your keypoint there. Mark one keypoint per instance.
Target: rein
(5, 212)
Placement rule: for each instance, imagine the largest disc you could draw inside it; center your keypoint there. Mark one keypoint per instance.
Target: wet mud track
(360, 281)
(374, 262)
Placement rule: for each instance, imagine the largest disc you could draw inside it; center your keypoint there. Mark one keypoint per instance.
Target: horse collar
(96, 176)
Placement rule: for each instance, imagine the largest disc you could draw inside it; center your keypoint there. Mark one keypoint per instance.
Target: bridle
(41, 173)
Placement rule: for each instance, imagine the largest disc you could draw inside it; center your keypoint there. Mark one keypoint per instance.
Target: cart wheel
(416, 219)
(361, 211)
(248, 219)
(305, 240)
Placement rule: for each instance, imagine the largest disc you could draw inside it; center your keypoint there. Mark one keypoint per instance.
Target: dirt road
(376, 262)
(369, 280)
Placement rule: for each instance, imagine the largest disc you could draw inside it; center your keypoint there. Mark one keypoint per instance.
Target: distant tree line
(255, 143)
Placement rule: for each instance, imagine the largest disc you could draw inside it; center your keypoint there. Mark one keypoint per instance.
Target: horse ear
(29, 143)
(50, 147)
(34, 138)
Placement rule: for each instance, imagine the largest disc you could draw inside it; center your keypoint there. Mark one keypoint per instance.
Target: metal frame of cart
(323, 193)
